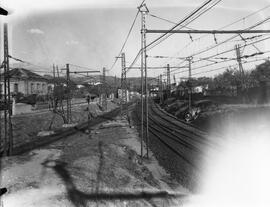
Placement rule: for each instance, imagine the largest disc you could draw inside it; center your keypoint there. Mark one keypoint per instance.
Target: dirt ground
(27, 126)
(102, 168)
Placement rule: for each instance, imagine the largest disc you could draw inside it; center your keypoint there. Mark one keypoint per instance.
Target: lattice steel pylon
(69, 94)
(160, 89)
(144, 11)
(168, 80)
(104, 95)
(240, 65)
(189, 59)
(124, 98)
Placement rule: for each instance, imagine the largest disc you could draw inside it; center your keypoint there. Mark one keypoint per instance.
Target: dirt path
(100, 169)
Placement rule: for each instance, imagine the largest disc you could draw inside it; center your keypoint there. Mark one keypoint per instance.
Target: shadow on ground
(79, 198)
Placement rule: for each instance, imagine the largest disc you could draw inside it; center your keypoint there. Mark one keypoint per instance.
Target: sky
(90, 33)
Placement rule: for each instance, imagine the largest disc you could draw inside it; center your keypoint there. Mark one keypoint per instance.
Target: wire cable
(180, 23)
(124, 44)
(82, 67)
(228, 25)
(198, 12)
(235, 65)
(169, 21)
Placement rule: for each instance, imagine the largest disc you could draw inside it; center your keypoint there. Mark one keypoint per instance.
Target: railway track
(169, 129)
(183, 131)
(183, 145)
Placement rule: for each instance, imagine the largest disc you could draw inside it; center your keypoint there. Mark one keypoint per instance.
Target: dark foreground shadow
(79, 198)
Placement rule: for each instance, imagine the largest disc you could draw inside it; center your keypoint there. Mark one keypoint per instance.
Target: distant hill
(133, 82)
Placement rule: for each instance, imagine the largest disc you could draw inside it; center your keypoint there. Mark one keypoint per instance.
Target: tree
(261, 73)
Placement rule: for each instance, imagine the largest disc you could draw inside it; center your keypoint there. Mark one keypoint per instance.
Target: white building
(26, 82)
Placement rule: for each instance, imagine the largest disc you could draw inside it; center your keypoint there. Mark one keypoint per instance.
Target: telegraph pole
(239, 60)
(160, 89)
(189, 59)
(104, 99)
(68, 95)
(123, 82)
(168, 80)
(238, 57)
(8, 140)
(241, 70)
(115, 86)
(52, 98)
(124, 79)
(1, 98)
(68, 72)
(142, 88)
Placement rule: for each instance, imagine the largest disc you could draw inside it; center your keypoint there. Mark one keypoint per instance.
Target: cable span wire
(226, 51)
(224, 67)
(196, 68)
(159, 39)
(182, 21)
(27, 62)
(257, 60)
(216, 45)
(129, 32)
(230, 24)
(82, 67)
(166, 20)
(186, 24)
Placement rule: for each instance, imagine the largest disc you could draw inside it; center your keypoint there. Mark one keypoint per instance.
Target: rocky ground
(102, 168)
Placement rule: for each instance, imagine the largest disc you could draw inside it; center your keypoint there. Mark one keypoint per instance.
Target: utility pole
(8, 133)
(189, 59)
(146, 90)
(160, 89)
(68, 95)
(104, 97)
(115, 86)
(52, 96)
(124, 79)
(168, 80)
(1, 85)
(239, 60)
(144, 10)
(238, 57)
(68, 72)
(241, 70)
(123, 82)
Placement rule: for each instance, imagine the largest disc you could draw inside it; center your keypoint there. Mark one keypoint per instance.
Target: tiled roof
(24, 74)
